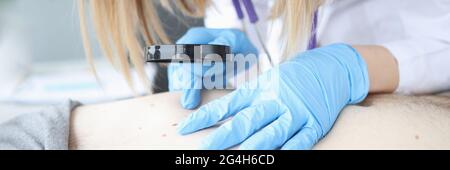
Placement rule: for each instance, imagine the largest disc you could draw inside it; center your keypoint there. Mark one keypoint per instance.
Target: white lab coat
(417, 32)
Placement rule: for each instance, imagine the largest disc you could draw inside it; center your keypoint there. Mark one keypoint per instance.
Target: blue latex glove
(179, 77)
(291, 111)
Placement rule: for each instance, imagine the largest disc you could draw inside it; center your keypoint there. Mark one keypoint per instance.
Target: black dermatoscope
(192, 53)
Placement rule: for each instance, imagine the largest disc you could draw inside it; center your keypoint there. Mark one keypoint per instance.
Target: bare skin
(381, 122)
(150, 122)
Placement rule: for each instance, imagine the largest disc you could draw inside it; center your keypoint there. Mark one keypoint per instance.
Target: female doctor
(328, 54)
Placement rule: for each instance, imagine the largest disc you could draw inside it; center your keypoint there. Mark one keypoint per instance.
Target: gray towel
(46, 130)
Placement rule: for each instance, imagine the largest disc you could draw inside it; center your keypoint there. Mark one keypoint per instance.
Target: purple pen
(237, 7)
(248, 4)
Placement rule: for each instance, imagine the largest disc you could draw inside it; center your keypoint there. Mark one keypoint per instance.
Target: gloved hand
(290, 107)
(183, 76)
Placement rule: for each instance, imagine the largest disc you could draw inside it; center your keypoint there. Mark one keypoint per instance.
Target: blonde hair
(121, 26)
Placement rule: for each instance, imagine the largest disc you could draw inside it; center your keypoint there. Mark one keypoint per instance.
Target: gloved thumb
(191, 98)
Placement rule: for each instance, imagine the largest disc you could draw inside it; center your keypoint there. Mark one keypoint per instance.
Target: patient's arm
(383, 122)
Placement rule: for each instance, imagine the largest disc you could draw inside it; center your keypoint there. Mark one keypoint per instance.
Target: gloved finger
(305, 139)
(237, 40)
(215, 111)
(192, 85)
(191, 97)
(198, 35)
(224, 40)
(275, 134)
(244, 124)
(175, 76)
